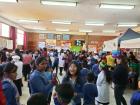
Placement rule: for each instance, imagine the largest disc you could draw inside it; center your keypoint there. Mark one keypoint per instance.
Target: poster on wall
(9, 44)
(66, 37)
(41, 44)
(58, 37)
(66, 45)
(50, 43)
(92, 48)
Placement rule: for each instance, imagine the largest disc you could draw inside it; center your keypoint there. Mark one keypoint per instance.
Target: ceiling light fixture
(94, 24)
(127, 25)
(116, 6)
(85, 30)
(61, 22)
(109, 31)
(9, 1)
(46, 2)
(64, 30)
(28, 21)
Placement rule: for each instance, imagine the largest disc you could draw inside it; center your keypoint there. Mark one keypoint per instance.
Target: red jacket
(2, 98)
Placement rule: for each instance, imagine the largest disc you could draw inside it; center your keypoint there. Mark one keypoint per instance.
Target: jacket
(39, 84)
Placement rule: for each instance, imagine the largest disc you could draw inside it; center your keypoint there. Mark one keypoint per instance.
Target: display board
(66, 37)
(6, 43)
(51, 36)
(41, 44)
(76, 48)
(79, 42)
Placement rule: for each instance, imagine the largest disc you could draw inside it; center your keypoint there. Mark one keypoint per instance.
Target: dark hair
(45, 49)
(1, 71)
(10, 67)
(90, 77)
(39, 60)
(33, 63)
(107, 73)
(77, 73)
(27, 52)
(65, 92)
(78, 68)
(37, 99)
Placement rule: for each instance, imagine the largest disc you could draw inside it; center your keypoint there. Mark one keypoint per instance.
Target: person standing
(38, 81)
(9, 88)
(90, 90)
(120, 79)
(73, 77)
(27, 58)
(18, 81)
(102, 83)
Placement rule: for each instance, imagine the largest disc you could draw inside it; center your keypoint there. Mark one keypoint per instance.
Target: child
(135, 99)
(90, 90)
(38, 81)
(9, 88)
(37, 99)
(64, 94)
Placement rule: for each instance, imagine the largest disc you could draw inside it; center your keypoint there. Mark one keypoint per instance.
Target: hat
(116, 53)
(102, 64)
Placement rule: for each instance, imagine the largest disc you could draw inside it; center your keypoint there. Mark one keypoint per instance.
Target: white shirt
(61, 61)
(19, 65)
(103, 88)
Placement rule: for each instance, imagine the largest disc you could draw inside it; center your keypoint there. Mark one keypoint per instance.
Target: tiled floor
(25, 95)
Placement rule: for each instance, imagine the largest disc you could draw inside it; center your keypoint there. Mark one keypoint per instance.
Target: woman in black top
(120, 79)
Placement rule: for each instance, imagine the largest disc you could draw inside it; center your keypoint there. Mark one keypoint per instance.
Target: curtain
(13, 36)
(25, 41)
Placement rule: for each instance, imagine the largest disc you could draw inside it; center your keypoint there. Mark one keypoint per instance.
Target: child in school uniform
(90, 90)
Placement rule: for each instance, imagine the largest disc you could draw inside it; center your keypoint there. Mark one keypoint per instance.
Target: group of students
(88, 77)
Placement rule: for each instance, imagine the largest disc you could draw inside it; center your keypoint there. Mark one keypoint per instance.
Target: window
(20, 37)
(5, 30)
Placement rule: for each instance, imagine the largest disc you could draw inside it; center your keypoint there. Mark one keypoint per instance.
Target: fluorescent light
(65, 30)
(116, 6)
(59, 3)
(109, 31)
(61, 22)
(28, 21)
(127, 25)
(85, 30)
(94, 24)
(9, 1)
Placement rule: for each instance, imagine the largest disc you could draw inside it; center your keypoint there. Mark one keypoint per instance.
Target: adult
(120, 79)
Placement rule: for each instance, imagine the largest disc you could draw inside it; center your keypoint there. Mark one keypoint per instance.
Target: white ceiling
(86, 10)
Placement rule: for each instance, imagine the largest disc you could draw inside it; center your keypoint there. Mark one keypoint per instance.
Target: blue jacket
(10, 93)
(78, 88)
(135, 99)
(90, 92)
(83, 73)
(95, 69)
(39, 83)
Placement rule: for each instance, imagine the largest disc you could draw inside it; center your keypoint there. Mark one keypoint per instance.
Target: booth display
(111, 45)
(132, 43)
(118, 42)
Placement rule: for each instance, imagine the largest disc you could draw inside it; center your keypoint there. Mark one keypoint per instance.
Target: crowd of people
(86, 76)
